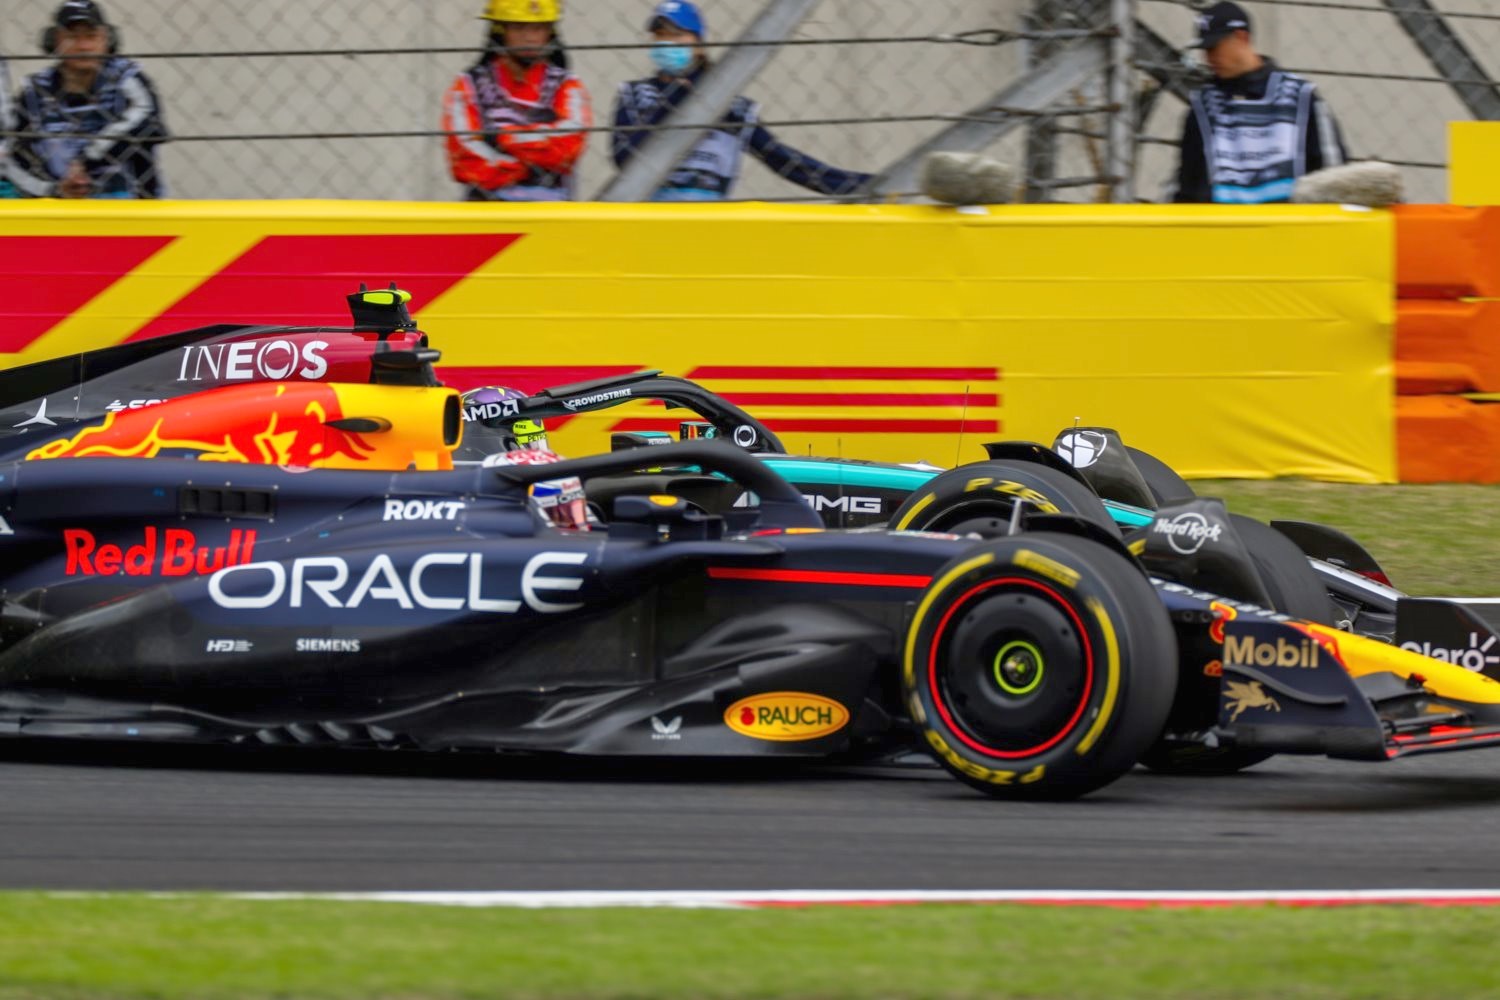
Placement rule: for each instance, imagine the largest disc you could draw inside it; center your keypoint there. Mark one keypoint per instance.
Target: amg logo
(598, 397)
(849, 505)
(271, 361)
(327, 645)
(228, 646)
(422, 510)
(1244, 649)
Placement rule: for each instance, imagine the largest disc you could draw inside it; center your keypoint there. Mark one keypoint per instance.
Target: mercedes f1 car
(259, 535)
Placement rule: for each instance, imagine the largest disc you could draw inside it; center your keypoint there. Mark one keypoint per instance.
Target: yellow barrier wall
(1229, 341)
(1473, 152)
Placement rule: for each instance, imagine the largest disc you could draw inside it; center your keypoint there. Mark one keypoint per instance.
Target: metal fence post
(1122, 93)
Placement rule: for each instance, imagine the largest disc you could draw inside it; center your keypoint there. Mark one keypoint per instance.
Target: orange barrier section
(1447, 252)
(1449, 346)
(1447, 343)
(1444, 439)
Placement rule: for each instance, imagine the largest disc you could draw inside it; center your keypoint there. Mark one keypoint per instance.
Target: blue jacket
(714, 164)
(121, 114)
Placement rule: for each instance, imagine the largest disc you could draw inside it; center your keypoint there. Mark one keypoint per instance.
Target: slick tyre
(1294, 590)
(1290, 582)
(1039, 666)
(979, 497)
(1164, 483)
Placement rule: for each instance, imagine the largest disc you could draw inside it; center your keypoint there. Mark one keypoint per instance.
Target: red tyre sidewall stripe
(942, 709)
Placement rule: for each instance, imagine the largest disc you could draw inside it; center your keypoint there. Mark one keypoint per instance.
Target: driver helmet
(562, 501)
(492, 425)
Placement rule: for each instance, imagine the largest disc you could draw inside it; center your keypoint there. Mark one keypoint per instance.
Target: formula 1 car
(280, 559)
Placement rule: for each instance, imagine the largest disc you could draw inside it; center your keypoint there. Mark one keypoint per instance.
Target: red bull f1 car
(260, 535)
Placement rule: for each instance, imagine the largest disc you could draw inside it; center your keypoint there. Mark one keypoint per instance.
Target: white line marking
(893, 897)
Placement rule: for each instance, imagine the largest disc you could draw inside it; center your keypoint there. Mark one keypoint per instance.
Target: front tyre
(980, 497)
(1039, 666)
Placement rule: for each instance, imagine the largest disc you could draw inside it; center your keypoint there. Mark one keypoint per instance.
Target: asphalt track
(102, 817)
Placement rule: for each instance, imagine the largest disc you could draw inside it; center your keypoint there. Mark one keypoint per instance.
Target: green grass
(1430, 539)
(207, 948)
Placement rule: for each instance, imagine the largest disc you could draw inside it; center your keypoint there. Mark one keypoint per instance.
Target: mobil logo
(786, 716)
(158, 552)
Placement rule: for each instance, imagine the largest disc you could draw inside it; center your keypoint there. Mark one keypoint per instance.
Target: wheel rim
(1011, 668)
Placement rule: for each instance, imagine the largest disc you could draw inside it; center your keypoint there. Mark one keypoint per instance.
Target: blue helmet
(679, 13)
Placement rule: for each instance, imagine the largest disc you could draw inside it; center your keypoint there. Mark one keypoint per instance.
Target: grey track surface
(112, 818)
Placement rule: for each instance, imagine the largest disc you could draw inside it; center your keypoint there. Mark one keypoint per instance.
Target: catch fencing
(341, 99)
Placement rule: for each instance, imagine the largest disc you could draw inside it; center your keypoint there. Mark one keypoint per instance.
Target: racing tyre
(1290, 582)
(1294, 590)
(1162, 480)
(979, 497)
(1039, 666)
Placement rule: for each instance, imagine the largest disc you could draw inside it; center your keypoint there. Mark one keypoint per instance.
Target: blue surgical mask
(674, 60)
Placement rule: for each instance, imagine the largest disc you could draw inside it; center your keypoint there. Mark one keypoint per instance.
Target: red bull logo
(260, 424)
(169, 552)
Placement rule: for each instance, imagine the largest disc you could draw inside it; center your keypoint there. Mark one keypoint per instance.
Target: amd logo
(269, 361)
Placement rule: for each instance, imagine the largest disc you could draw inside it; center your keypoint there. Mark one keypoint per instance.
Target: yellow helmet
(524, 11)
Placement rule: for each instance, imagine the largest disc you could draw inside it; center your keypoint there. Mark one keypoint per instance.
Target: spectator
(517, 118)
(711, 169)
(91, 91)
(1252, 132)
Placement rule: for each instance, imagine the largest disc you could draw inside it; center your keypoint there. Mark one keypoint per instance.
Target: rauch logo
(169, 552)
(785, 716)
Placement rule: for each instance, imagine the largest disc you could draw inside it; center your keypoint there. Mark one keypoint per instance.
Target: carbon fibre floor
(112, 818)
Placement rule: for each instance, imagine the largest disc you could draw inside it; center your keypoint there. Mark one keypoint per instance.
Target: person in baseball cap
(1256, 128)
(679, 14)
(89, 125)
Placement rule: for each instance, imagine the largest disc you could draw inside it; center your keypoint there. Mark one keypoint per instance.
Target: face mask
(673, 60)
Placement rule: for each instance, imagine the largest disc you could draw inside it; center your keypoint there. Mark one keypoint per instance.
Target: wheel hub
(1019, 667)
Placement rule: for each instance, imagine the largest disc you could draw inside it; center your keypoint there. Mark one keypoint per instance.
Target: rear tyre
(1290, 582)
(1165, 484)
(979, 497)
(1039, 666)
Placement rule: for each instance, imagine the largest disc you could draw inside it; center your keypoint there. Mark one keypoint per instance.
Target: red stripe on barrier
(303, 280)
(814, 425)
(820, 576)
(824, 373)
(45, 279)
(914, 399)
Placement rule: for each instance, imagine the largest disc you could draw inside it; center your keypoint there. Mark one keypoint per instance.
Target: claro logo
(269, 361)
(786, 716)
(324, 581)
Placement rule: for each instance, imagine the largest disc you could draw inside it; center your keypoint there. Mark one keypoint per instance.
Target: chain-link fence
(1395, 72)
(283, 99)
